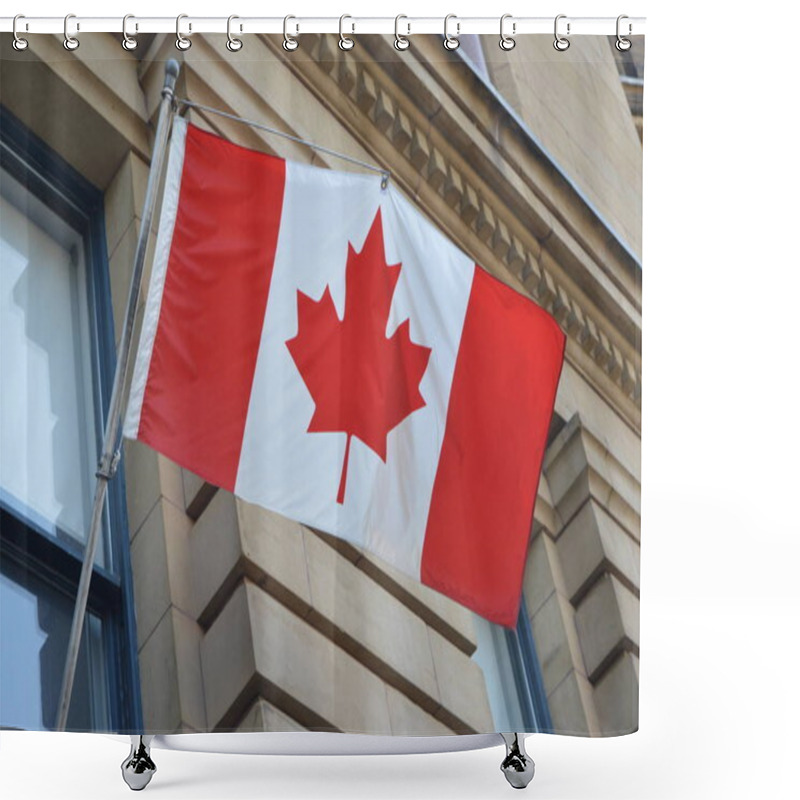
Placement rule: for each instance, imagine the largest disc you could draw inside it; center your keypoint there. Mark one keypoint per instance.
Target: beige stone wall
(575, 105)
(249, 621)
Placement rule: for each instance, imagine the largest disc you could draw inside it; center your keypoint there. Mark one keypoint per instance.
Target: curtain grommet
(507, 42)
(71, 43)
(233, 44)
(181, 42)
(450, 41)
(290, 43)
(561, 43)
(18, 43)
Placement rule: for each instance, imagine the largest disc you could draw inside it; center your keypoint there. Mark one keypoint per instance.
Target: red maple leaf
(363, 383)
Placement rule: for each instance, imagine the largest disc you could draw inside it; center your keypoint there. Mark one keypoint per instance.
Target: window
(513, 677)
(56, 369)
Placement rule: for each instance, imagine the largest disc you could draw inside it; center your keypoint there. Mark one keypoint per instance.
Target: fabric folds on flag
(313, 344)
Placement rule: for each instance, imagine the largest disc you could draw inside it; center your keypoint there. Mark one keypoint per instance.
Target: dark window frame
(528, 675)
(23, 538)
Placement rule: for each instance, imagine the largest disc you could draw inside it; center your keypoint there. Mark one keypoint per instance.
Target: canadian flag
(314, 345)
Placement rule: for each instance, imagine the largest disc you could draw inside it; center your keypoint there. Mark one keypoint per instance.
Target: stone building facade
(531, 162)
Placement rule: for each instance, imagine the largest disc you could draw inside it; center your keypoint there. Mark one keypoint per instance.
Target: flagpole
(111, 454)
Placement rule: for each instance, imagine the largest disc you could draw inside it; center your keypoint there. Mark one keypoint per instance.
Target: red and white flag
(313, 344)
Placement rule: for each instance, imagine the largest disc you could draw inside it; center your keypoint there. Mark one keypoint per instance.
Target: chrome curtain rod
(298, 25)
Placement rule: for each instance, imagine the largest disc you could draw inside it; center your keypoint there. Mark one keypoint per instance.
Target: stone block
(120, 268)
(614, 367)
(401, 131)
(150, 573)
(366, 93)
(384, 111)
(408, 719)
(177, 531)
(501, 240)
(274, 545)
(263, 716)
(575, 321)
(380, 624)
(486, 221)
(546, 289)
(233, 538)
(118, 202)
(449, 618)
(437, 170)
(470, 205)
(561, 306)
(572, 707)
(591, 540)
(124, 198)
(516, 256)
(142, 482)
(627, 517)
(607, 620)
(347, 75)
(215, 549)
(158, 672)
(187, 637)
(531, 275)
(148, 476)
(565, 460)
(557, 645)
(588, 337)
(616, 696)
(453, 187)
(539, 578)
(608, 466)
(255, 638)
(462, 686)
(227, 657)
(197, 494)
(420, 150)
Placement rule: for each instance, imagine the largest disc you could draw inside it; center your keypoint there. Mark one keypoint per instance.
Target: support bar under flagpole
(111, 454)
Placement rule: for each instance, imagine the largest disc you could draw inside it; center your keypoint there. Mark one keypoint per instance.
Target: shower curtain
(382, 414)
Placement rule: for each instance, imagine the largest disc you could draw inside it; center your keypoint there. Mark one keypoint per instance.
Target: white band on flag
(166, 226)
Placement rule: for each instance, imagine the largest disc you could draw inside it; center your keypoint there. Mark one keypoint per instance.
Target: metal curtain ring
(560, 43)
(289, 42)
(401, 42)
(70, 42)
(345, 42)
(233, 44)
(128, 42)
(622, 44)
(19, 43)
(507, 42)
(451, 42)
(181, 42)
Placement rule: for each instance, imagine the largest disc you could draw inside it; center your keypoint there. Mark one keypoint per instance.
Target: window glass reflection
(35, 620)
(47, 420)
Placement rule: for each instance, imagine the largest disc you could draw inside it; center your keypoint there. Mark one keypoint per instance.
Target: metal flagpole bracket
(107, 467)
(110, 457)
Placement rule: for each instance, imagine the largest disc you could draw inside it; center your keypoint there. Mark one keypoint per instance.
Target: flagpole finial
(171, 71)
